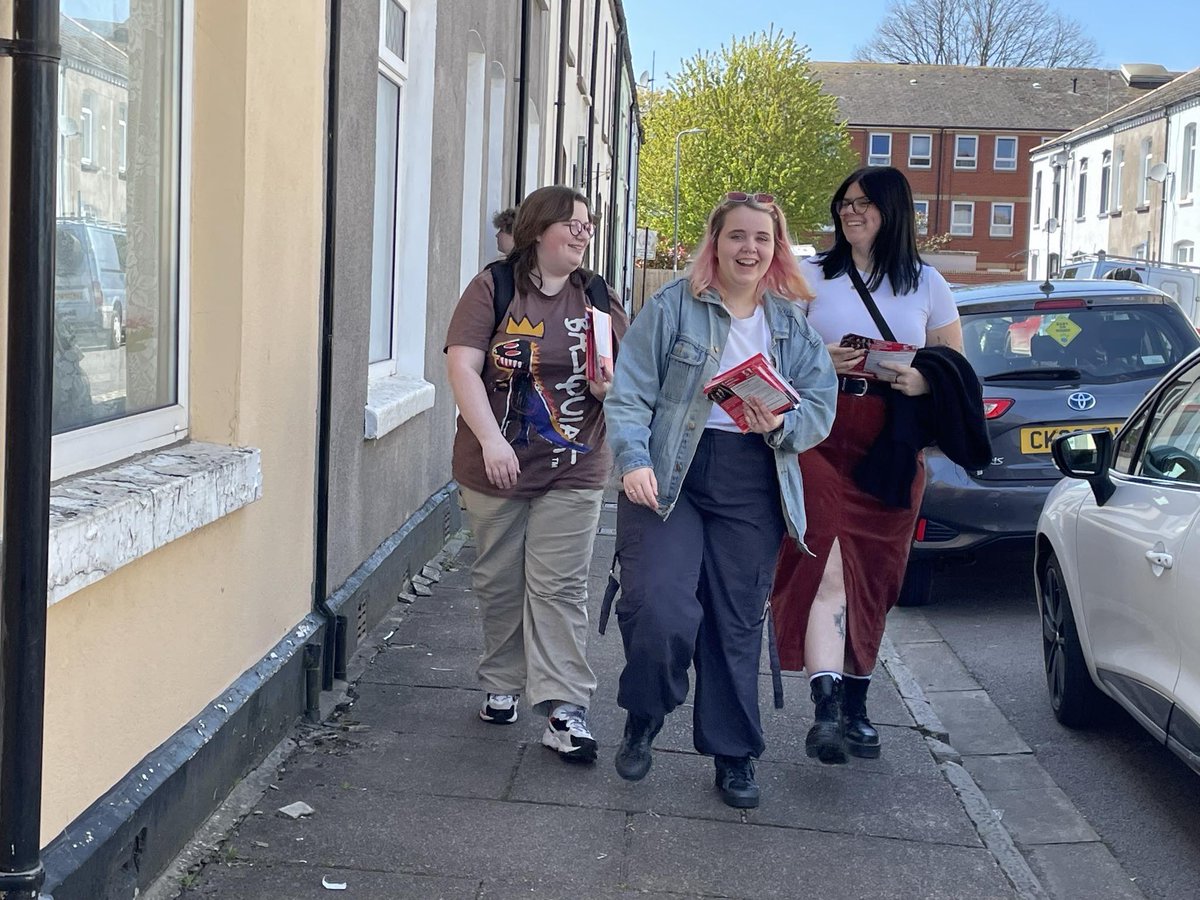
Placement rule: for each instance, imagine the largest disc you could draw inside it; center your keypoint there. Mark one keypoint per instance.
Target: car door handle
(1158, 558)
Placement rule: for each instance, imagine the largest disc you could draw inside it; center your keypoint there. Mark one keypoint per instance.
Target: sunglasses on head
(743, 197)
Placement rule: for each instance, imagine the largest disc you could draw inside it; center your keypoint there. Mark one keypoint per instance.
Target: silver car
(1053, 358)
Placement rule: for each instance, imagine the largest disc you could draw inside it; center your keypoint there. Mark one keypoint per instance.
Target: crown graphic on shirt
(525, 327)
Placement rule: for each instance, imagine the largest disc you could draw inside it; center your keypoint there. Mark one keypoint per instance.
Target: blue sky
(670, 31)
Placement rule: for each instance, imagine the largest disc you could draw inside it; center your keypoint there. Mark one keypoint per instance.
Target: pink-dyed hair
(783, 276)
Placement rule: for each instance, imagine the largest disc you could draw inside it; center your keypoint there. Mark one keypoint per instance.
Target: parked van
(1180, 282)
(89, 278)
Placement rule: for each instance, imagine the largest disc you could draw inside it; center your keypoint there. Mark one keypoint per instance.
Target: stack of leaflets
(599, 350)
(878, 351)
(755, 377)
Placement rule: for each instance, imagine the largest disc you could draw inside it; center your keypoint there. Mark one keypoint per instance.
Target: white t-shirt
(838, 310)
(746, 337)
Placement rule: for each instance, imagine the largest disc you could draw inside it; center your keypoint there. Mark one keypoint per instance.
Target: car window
(1172, 447)
(70, 259)
(108, 257)
(1127, 444)
(1106, 344)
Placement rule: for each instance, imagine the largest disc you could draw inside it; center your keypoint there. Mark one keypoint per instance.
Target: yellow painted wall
(136, 655)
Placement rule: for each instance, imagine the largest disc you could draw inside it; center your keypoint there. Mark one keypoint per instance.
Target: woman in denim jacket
(705, 506)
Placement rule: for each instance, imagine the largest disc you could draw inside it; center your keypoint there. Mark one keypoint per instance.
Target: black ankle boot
(735, 781)
(862, 740)
(635, 755)
(826, 740)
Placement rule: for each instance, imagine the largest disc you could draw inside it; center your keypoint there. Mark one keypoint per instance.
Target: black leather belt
(860, 387)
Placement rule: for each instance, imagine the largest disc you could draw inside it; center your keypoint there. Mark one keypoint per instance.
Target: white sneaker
(567, 733)
(499, 709)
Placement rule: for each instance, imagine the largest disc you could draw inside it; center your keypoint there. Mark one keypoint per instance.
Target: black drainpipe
(36, 53)
(522, 103)
(325, 404)
(564, 37)
(591, 131)
(615, 166)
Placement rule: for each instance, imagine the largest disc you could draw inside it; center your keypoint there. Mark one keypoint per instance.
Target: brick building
(963, 134)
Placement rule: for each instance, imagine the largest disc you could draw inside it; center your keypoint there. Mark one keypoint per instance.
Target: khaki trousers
(530, 577)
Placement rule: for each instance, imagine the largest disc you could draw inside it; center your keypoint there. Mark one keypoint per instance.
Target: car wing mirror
(1087, 455)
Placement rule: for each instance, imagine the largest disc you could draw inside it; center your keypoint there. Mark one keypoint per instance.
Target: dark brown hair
(503, 220)
(544, 207)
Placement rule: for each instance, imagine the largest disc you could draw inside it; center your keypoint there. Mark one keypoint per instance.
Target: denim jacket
(655, 410)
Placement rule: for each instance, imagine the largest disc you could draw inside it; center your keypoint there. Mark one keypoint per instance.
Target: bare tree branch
(979, 33)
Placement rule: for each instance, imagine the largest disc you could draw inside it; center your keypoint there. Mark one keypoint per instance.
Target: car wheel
(918, 583)
(116, 332)
(1074, 697)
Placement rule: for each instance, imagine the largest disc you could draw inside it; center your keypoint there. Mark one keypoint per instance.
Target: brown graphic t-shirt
(535, 375)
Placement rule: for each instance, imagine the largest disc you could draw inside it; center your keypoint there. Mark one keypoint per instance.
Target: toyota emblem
(1081, 400)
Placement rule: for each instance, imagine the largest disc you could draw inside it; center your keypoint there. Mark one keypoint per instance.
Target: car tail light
(995, 407)
(919, 534)
(1059, 304)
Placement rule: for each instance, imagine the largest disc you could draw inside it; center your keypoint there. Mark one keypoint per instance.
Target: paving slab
(1041, 816)
(256, 881)
(1010, 772)
(1069, 871)
(936, 667)
(975, 724)
(910, 626)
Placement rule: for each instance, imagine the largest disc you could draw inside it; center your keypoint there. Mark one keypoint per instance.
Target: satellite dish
(1059, 159)
(644, 78)
(67, 127)
(1051, 226)
(1158, 172)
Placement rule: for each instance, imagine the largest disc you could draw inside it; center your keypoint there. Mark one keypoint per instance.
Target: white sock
(837, 676)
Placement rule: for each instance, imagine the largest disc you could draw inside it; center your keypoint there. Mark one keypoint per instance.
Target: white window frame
(1081, 179)
(1105, 182)
(879, 159)
(971, 162)
(1037, 199)
(87, 134)
(99, 445)
(122, 138)
(1185, 252)
(914, 158)
(955, 228)
(1187, 164)
(1146, 152)
(1002, 231)
(1005, 164)
(1141, 251)
(1118, 178)
(921, 208)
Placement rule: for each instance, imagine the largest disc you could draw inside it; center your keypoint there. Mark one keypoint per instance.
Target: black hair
(894, 251)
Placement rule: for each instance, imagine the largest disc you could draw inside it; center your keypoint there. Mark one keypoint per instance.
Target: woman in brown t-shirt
(531, 461)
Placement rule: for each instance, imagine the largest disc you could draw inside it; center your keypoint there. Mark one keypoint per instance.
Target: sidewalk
(414, 796)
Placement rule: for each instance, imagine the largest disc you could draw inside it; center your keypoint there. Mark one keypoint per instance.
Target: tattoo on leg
(839, 622)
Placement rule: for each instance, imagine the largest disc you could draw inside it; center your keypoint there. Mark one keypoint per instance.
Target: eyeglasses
(858, 204)
(743, 197)
(579, 229)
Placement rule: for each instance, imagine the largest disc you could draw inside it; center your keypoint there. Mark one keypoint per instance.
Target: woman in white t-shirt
(830, 611)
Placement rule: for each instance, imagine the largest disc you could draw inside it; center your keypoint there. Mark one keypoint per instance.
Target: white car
(1118, 568)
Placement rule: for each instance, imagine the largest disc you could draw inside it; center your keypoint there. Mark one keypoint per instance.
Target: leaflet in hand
(755, 377)
(599, 344)
(878, 351)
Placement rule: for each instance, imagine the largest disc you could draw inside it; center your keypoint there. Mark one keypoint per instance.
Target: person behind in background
(705, 506)
(503, 223)
(531, 461)
(830, 611)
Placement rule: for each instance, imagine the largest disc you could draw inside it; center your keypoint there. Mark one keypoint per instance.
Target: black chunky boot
(826, 740)
(635, 754)
(862, 739)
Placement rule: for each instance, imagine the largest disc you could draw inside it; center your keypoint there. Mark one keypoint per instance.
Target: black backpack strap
(503, 288)
(869, 301)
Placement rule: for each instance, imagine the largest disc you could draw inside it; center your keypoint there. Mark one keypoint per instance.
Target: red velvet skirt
(874, 540)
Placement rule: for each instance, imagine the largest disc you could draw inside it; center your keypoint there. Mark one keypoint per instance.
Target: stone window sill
(105, 519)
(392, 401)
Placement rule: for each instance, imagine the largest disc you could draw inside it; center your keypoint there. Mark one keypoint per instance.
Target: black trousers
(694, 589)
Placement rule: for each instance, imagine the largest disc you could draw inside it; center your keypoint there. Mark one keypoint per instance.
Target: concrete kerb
(991, 831)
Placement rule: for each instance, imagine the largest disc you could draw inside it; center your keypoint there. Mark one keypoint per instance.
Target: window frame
(1037, 198)
(87, 130)
(1184, 245)
(997, 159)
(998, 231)
(960, 161)
(93, 446)
(1146, 154)
(955, 205)
(1187, 167)
(1081, 179)
(1105, 181)
(879, 159)
(918, 213)
(928, 157)
(1118, 178)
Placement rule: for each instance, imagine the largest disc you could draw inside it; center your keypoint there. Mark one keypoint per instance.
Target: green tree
(769, 129)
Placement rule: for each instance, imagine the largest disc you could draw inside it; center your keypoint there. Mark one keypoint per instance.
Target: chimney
(1074, 85)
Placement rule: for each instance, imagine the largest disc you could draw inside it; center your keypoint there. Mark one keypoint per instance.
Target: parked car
(1178, 281)
(1052, 359)
(89, 278)
(1118, 569)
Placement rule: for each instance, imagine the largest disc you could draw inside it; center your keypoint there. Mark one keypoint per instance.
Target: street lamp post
(675, 241)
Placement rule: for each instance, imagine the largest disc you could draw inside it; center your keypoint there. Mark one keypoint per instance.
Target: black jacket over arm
(950, 415)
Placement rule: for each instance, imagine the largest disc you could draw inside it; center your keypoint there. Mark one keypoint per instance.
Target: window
(880, 150)
(388, 113)
(920, 151)
(966, 151)
(1105, 180)
(1081, 190)
(1006, 154)
(962, 219)
(120, 285)
(921, 208)
(1173, 442)
(1141, 251)
(1052, 262)
(1187, 180)
(1118, 178)
(1037, 199)
(1002, 220)
(1056, 197)
(1185, 252)
(1147, 160)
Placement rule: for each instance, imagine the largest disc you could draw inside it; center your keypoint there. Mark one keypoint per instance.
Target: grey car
(1053, 358)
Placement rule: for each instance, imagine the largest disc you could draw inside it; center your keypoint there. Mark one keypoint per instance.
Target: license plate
(1039, 439)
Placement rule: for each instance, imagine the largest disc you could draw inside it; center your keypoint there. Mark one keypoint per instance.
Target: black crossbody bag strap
(869, 301)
